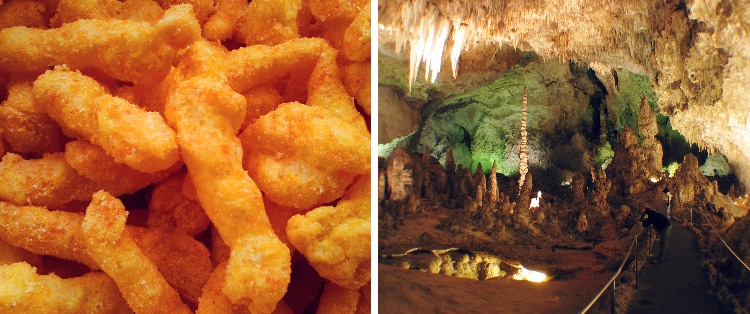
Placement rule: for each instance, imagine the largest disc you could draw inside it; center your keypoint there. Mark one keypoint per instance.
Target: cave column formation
(523, 155)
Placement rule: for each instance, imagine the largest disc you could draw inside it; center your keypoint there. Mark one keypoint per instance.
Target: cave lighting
(529, 275)
(535, 201)
(654, 179)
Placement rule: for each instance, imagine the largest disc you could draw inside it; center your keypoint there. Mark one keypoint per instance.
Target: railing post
(614, 287)
(718, 266)
(636, 261)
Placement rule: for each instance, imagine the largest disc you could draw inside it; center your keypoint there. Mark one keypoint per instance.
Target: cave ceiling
(694, 54)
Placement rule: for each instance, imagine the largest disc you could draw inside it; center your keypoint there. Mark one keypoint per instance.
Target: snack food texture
(178, 156)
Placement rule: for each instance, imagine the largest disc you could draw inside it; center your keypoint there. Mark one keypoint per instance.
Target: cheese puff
(303, 156)
(247, 67)
(207, 115)
(331, 9)
(59, 234)
(213, 300)
(338, 300)
(279, 216)
(357, 81)
(10, 254)
(357, 38)
(326, 89)
(48, 181)
(363, 306)
(92, 162)
(332, 30)
(220, 251)
(133, 136)
(69, 11)
(204, 58)
(261, 100)
(126, 50)
(28, 13)
(269, 22)
(112, 247)
(22, 290)
(26, 129)
(44, 232)
(171, 210)
(184, 262)
(203, 8)
(336, 240)
(220, 25)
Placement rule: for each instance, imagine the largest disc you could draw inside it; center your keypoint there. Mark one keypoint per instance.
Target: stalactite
(523, 166)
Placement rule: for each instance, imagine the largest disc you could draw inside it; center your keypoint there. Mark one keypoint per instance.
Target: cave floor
(680, 284)
(580, 273)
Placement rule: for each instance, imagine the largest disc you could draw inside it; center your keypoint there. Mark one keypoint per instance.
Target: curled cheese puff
(214, 301)
(111, 245)
(250, 66)
(184, 262)
(338, 300)
(336, 240)
(304, 156)
(133, 136)
(48, 181)
(44, 232)
(337, 9)
(69, 11)
(279, 215)
(357, 81)
(26, 130)
(203, 8)
(220, 25)
(126, 50)
(10, 254)
(92, 162)
(269, 22)
(365, 299)
(59, 234)
(207, 115)
(261, 100)
(22, 290)
(171, 210)
(356, 45)
(29, 13)
(326, 89)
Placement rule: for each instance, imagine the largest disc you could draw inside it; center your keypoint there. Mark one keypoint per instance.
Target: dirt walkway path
(680, 284)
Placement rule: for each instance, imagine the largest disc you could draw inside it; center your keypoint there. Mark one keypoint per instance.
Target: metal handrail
(617, 274)
(725, 244)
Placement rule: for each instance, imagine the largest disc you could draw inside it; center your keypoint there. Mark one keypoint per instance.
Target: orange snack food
(162, 156)
(22, 290)
(207, 115)
(336, 240)
(131, 135)
(303, 156)
(147, 50)
(112, 247)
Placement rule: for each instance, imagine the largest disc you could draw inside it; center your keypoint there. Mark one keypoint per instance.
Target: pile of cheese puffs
(182, 156)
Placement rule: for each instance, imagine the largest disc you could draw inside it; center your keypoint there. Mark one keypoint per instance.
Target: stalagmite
(523, 156)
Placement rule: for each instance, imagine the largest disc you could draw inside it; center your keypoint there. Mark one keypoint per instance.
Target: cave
(528, 135)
